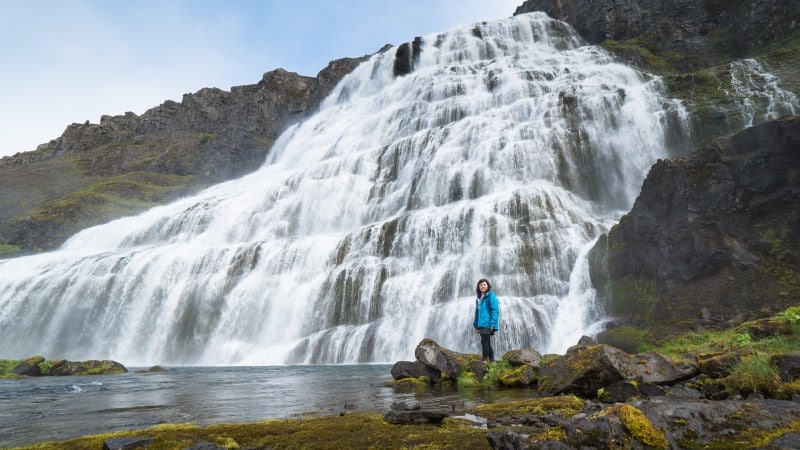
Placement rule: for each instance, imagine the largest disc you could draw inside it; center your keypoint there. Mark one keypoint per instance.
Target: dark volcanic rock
(703, 31)
(718, 229)
(414, 369)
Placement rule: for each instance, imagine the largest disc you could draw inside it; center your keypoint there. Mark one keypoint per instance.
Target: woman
(487, 313)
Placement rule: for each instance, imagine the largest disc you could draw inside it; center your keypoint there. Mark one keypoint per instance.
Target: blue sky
(72, 61)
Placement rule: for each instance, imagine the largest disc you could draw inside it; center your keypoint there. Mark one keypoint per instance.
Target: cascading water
(505, 152)
(758, 93)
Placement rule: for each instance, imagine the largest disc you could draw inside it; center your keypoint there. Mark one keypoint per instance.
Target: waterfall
(758, 93)
(506, 151)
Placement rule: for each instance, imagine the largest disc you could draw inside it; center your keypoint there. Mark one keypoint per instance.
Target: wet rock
(127, 443)
(414, 369)
(411, 413)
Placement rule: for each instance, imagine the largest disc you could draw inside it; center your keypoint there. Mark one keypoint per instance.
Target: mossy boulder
(29, 367)
(721, 364)
(90, 367)
(584, 370)
(519, 376)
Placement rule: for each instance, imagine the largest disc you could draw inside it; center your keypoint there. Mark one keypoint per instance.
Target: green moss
(9, 250)
(363, 430)
(635, 299)
(628, 338)
(640, 426)
(754, 374)
(566, 406)
(7, 367)
(413, 384)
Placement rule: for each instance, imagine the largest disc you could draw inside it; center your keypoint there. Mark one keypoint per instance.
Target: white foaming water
(758, 93)
(506, 152)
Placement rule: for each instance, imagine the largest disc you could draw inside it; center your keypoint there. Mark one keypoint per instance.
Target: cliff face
(713, 237)
(696, 46)
(93, 173)
(703, 32)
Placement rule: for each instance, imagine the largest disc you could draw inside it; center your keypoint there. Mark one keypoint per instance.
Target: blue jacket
(487, 312)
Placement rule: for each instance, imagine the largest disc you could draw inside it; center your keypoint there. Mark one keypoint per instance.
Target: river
(34, 410)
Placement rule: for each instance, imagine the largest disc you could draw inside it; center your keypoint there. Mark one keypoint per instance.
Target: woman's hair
(478, 289)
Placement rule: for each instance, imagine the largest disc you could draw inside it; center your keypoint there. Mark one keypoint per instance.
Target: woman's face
(483, 286)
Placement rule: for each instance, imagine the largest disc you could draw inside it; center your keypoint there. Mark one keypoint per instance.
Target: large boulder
(448, 362)
(523, 356)
(584, 370)
(414, 369)
(652, 367)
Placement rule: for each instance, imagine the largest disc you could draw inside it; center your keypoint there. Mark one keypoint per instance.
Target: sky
(63, 62)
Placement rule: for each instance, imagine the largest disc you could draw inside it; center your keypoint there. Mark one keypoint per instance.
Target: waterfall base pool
(58, 408)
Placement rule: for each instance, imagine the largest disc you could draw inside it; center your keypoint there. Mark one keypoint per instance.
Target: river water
(58, 408)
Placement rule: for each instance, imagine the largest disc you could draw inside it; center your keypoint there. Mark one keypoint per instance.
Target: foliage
(754, 374)
(790, 315)
(496, 370)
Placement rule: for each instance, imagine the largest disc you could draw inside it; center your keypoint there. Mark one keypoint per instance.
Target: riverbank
(734, 388)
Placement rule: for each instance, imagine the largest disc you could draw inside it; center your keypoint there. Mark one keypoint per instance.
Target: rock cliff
(713, 238)
(93, 173)
(701, 32)
(697, 47)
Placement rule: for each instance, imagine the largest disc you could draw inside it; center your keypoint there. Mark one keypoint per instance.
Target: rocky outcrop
(712, 239)
(702, 33)
(93, 173)
(90, 367)
(37, 366)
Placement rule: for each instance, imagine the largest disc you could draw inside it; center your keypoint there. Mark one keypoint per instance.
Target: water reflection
(57, 408)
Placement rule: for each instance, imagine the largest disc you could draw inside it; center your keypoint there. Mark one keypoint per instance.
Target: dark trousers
(486, 344)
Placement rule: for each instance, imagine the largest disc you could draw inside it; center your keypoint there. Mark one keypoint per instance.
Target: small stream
(42, 409)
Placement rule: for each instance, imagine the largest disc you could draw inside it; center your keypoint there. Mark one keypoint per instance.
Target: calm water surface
(56, 408)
